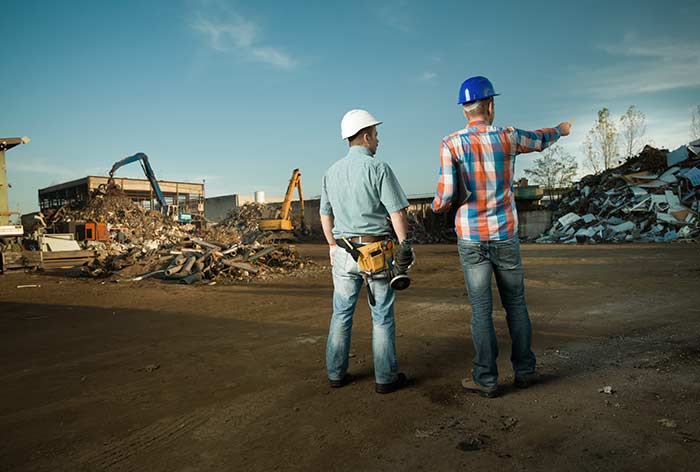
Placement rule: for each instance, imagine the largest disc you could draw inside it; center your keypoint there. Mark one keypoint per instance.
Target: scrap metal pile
(146, 243)
(430, 228)
(653, 197)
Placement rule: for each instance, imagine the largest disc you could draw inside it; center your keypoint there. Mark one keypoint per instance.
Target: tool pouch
(372, 258)
(376, 257)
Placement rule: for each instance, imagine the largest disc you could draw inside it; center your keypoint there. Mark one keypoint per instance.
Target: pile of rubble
(243, 220)
(194, 260)
(430, 229)
(653, 197)
(144, 243)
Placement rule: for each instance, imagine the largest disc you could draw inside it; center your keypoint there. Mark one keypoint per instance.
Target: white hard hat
(354, 121)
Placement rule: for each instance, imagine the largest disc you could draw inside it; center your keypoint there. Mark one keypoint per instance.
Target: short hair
(357, 135)
(477, 108)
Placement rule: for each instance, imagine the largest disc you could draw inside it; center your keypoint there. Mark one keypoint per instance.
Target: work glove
(331, 252)
(404, 256)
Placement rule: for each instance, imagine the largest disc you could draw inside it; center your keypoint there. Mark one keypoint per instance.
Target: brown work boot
(474, 387)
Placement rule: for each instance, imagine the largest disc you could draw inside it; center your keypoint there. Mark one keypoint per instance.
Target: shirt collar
(476, 123)
(360, 151)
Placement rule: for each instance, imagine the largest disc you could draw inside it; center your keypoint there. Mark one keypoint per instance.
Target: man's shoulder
(356, 162)
(454, 135)
(459, 134)
(342, 162)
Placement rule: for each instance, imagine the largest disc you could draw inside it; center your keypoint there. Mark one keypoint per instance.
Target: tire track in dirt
(204, 424)
(116, 456)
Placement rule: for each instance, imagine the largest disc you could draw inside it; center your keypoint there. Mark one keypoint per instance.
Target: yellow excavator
(283, 223)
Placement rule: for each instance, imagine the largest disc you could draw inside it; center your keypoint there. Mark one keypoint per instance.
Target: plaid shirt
(477, 166)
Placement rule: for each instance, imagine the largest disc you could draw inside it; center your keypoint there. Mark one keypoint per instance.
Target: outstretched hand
(565, 127)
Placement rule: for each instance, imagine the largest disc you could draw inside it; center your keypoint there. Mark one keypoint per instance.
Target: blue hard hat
(476, 88)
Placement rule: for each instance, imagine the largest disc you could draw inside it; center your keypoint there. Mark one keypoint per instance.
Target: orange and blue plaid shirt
(477, 166)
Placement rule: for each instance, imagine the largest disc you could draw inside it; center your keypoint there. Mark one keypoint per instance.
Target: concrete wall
(532, 223)
(216, 208)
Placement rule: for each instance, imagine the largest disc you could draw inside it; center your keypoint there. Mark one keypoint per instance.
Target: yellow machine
(284, 221)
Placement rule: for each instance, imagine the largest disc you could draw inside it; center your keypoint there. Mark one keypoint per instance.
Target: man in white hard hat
(358, 193)
(477, 166)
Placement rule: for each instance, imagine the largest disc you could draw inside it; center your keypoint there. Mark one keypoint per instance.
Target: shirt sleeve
(325, 205)
(391, 194)
(532, 141)
(447, 182)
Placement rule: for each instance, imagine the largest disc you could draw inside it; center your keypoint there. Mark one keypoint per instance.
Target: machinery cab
(173, 211)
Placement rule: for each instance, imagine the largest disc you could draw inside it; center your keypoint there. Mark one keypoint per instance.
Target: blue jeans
(347, 283)
(479, 260)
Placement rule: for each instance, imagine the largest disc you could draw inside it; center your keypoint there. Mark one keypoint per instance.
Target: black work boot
(524, 381)
(400, 382)
(340, 382)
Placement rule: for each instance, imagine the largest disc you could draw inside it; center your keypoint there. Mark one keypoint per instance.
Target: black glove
(404, 256)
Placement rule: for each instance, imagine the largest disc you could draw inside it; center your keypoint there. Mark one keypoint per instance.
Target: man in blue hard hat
(477, 166)
(361, 201)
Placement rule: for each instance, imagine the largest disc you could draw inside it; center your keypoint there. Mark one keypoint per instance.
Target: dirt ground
(151, 376)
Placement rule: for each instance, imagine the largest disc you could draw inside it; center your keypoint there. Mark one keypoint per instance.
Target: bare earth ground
(152, 376)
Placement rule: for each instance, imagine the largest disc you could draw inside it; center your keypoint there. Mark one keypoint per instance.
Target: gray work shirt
(360, 191)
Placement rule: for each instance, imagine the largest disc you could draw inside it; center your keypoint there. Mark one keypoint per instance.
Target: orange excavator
(283, 223)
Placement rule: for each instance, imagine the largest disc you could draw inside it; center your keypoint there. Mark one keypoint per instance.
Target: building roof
(84, 181)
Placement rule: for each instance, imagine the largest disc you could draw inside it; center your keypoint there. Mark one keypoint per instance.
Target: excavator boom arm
(295, 181)
(148, 170)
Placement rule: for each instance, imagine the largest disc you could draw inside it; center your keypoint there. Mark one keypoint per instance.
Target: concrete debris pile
(430, 229)
(146, 243)
(194, 260)
(243, 220)
(653, 197)
(132, 227)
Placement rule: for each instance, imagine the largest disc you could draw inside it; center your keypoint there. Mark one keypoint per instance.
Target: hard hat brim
(471, 101)
(367, 125)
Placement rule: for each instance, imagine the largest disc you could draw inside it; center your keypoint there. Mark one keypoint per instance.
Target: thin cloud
(39, 166)
(273, 56)
(225, 37)
(645, 66)
(395, 14)
(238, 35)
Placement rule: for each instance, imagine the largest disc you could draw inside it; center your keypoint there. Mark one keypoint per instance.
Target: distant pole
(5, 145)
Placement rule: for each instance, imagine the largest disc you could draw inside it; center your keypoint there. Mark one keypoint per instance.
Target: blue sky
(240, 93)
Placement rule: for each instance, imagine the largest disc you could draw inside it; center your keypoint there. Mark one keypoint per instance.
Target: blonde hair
(477, 108)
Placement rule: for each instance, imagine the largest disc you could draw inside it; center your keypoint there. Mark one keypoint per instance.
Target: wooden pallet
(65, 259)
(44, 260)
(19, 260)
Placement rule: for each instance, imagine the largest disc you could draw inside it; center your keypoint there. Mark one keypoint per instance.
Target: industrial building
(216, 208)
(188, 196)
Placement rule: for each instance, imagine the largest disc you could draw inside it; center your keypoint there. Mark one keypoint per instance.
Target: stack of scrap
(243, 221)
(194, 260)
(430, 228)
(653, 197)
(146, 243)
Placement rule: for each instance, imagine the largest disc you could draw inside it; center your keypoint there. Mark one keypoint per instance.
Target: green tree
(600, 145)
(554, 169)
(633, 124)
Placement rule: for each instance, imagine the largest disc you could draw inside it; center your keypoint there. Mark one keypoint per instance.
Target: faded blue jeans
(479, 261)
(347, 283)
